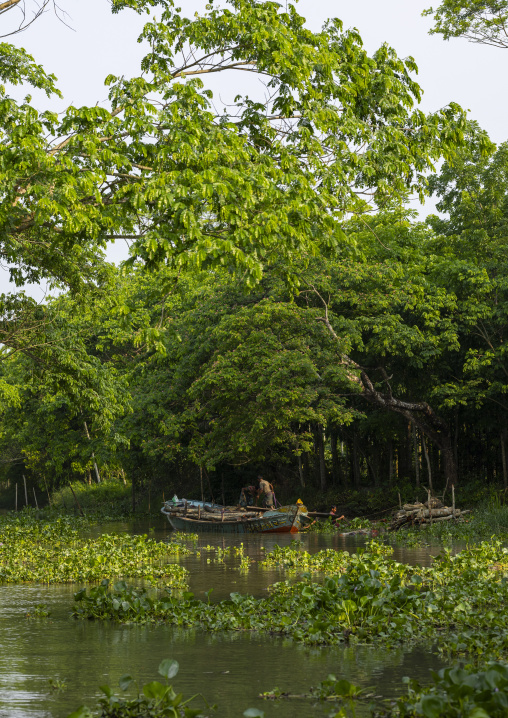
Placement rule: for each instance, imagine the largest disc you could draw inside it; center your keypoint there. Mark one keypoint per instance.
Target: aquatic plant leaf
(432, 706)
(125, 681)
(155, 690)
(81, 712)
(169, 668)
(192, 712)
(478, 713)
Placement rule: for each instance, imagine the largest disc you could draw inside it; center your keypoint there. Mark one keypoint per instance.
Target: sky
(94, 43)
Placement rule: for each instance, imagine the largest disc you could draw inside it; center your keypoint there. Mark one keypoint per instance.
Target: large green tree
(191, 183)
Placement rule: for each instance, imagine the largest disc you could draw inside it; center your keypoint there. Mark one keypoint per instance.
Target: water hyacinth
(362, 598)
(39, 551)
(152, 700)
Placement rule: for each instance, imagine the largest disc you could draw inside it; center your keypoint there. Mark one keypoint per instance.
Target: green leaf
(125, 681)
(81, 712)
(432, 706)
(155, 690)
(169, 668)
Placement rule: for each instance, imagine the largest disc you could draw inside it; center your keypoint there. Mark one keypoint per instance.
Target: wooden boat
(234, 520)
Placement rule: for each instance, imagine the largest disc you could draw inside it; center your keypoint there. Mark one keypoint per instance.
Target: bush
(109, 498)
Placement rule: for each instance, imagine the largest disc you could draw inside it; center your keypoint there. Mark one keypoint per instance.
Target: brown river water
(229, 669)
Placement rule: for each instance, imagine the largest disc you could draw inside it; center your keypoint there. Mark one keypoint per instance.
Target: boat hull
(288, 519)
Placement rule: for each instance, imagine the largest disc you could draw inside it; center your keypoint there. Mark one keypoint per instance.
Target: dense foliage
(296, 320)
(55, 551)
(366, 597)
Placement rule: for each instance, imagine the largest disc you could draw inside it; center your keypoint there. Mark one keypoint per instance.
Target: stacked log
(420, 514)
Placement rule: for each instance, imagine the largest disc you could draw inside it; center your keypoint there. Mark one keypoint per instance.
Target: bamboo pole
(453, 500)
(35, 497)
(201, 482)
(16, 504)
(430, 507)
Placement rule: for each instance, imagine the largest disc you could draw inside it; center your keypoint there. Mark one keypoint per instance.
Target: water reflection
(229, 669)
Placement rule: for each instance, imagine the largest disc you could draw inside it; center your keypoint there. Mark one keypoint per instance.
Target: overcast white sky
(100, 43)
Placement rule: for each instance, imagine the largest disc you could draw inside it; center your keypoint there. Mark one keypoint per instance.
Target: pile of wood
(427, 513)
(210, 513)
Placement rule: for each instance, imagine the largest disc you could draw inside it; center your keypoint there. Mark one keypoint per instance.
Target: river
(228, 669)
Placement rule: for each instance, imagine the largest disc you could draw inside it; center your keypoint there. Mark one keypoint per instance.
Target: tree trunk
(372, 463)
(306, 466)
(300, 471)
(419, 412)
(456, 438)
(321, 453)
(356, 464)
(503, 458)
(390, 462)
(405, 452)
(93, 457)
(429, 468)
(336, 469)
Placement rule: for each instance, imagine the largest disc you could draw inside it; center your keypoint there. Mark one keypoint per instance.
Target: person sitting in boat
(248, 495)
(265, 490)
(333, 515)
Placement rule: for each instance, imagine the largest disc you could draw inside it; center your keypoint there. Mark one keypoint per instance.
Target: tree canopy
(291, 298)
(482, 21)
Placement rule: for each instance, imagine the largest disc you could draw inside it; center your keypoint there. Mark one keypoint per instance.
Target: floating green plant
(153, 700)
(55, 551)
(362, 598)
(456, 692)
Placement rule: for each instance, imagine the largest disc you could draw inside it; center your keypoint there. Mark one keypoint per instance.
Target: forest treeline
(283, 311)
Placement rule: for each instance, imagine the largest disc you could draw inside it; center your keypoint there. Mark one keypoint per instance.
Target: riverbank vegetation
(283, 311)
(276, 315)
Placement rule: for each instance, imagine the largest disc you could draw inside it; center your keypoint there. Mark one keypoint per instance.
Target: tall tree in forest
(398, 321)
(473, 200)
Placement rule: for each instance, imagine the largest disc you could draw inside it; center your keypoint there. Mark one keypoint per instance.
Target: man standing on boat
(247, 496)
(265, 489)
